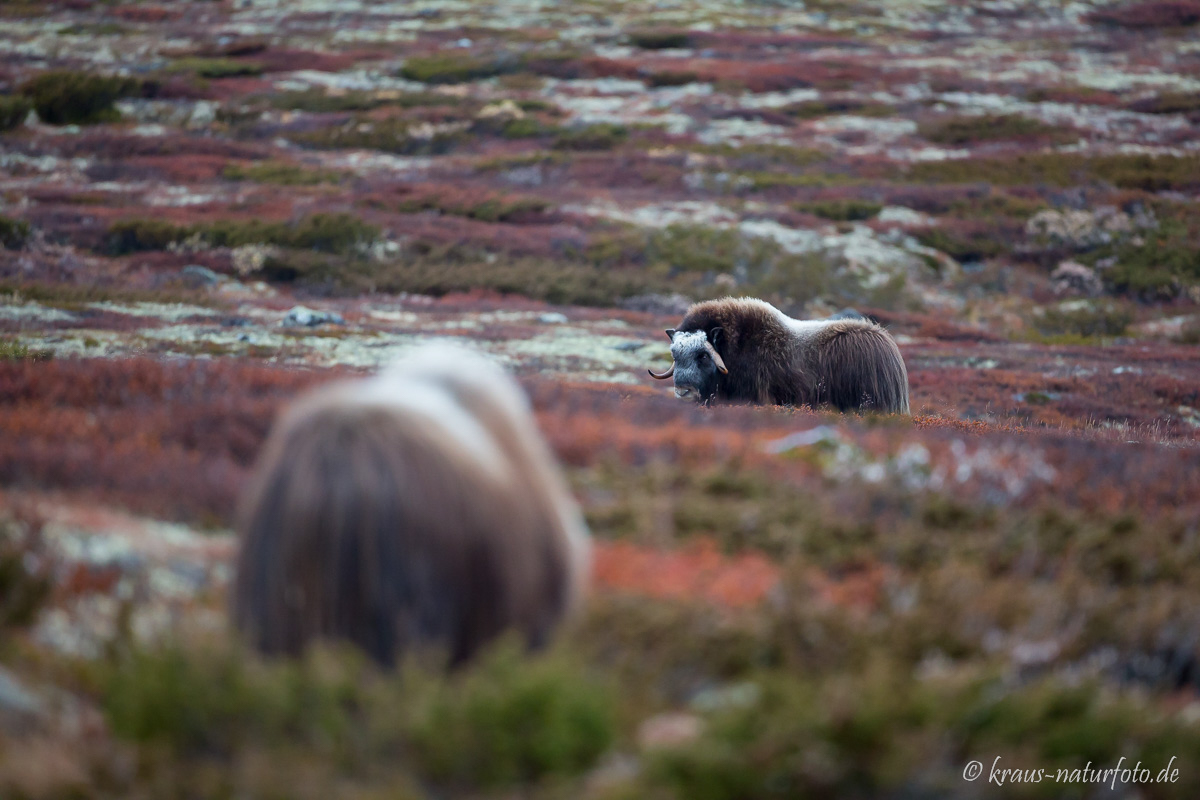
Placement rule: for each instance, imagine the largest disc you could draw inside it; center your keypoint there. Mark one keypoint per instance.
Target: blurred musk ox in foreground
(417, 508)
(746, 350)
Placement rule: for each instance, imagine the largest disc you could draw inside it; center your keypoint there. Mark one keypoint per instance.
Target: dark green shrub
(964, 247)
(327, 233)
(815, 109)
(13, 232)
(552, 281)
(491, 209)
(671, 78)
(591, 137)
(1169, 103)
(388, 135)
(1125, 171)
(136, 235)
(216, 67)
(510, 721)
(503, 720)
(986, 128)
(65, 97)
(279, 172)
(840, 210)
(660, 39)
(522, 128)
(450, 68)
(25, 579)
(1099, 319)
(13, 111)
(14, 350)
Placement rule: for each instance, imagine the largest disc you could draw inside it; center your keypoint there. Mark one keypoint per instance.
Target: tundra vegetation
(786, 602)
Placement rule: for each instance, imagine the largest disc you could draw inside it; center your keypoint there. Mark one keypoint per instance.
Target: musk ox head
(696, 364)
(418, 508)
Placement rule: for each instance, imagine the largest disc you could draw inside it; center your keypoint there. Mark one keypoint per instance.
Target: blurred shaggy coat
(417, 508)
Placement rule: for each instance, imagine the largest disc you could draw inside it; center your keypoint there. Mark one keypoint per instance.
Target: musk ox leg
(862, 370)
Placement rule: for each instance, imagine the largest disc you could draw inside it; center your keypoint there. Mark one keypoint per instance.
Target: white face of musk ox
(697, 365)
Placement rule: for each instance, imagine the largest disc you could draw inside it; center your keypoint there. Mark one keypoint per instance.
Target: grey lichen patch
(581, 354)
(16, 309)
(167, 312)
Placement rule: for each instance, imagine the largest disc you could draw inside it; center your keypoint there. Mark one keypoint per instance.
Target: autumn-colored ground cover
(786, 602)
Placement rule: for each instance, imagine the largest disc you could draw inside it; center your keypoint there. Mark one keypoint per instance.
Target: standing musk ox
(418, 508)
(746, 350)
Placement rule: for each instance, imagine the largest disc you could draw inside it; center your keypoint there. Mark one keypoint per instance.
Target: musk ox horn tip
(662, 376)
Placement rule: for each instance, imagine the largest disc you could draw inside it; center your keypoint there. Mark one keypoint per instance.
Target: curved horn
(716, 357)
(662, 376)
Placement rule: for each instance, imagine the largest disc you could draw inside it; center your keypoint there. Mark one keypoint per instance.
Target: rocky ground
(206, 207)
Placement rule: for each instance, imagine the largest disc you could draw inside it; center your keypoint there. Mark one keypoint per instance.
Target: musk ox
(414, 509)
(746, 350)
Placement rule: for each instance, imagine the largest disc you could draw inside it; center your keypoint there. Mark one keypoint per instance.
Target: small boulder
(1073, 278)
(303, 317)
(196, 275)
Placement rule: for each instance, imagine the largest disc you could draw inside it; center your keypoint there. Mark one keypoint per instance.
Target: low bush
(321, 101)
(13, 111)
(1169, 103)
(1125, 171)
(671, 78)
(25, 570)
(660, 39)
(398, 136)
(459, 67)
(505, 721)
(13, 232)
(553, 281)
(840, 210)
(1149, 15)
(591, 137)
(988, 127)
(972, 245)
(64, 97)
(328, 233)
(15, 350)
(815, 109)
(279, 172)
(1084, 319)
(526, 128)
(495, 208)
(216, 67)
(136, 235)
(1158, 263)
(759, 265)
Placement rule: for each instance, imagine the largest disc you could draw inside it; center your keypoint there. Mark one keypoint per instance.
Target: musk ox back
(746, 350)
(417, 508)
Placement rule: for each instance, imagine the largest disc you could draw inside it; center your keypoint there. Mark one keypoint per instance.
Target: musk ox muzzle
(695, 365)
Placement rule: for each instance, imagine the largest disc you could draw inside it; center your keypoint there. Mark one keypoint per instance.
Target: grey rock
(553, 318)
(18, 706)
(197, 275)
(629, 347)
(1071, 277)
(304, 317)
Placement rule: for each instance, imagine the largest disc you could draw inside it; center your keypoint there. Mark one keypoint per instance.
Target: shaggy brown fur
(381, 523)
(850, 364)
